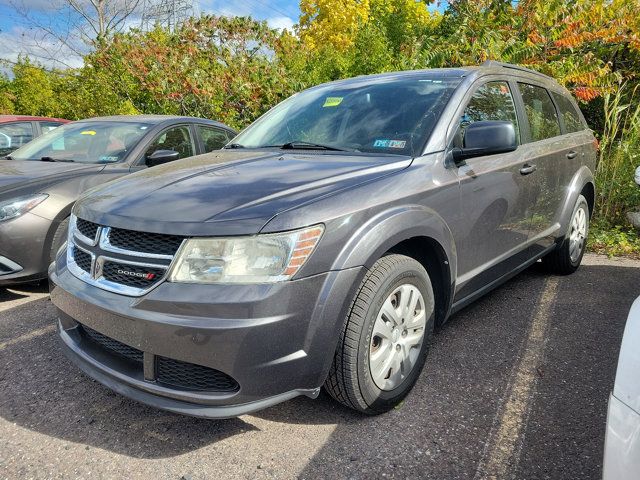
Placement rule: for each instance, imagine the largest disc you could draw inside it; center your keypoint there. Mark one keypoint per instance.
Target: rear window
(569, 114)
(541, 112)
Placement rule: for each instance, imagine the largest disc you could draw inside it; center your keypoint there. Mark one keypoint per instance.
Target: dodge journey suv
(323, 245)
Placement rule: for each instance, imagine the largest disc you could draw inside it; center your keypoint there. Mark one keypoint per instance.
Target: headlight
(258, 259)
(18, 206)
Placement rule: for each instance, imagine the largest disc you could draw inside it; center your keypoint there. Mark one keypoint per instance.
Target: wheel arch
(582, 183)
(415, 231)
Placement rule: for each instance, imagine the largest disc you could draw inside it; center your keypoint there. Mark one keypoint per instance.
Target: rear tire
(566, 259)
(385, 338)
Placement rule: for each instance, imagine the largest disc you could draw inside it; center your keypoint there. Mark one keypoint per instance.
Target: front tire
(59, 238)
(385, 339)
(566, 259)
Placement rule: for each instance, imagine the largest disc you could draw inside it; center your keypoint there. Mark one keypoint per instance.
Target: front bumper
(276, 341)
(24, 248)
(622, 442)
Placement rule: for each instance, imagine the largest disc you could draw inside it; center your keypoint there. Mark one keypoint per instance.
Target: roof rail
(493, 63)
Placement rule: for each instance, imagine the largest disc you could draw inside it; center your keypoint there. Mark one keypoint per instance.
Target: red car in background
(17, 130)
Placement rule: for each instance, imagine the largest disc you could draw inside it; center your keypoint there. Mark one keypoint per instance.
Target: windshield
(84, 142)
(390, 115)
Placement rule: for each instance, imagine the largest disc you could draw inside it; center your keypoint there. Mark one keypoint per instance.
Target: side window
(48, 126)
(492, 101)
(213, 138)
(570, 116)
(177, 139)
(541, 113)
(14, 135)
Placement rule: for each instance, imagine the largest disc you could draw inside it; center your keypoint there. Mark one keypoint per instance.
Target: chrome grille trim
(73, 227)
(106, 245)
(102, 251)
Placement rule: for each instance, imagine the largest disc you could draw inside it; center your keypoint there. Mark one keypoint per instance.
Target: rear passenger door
(212, 138)
(546, 153)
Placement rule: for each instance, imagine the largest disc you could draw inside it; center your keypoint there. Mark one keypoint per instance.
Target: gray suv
(325, 243)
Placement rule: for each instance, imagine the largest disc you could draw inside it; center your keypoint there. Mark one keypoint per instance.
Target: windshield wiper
(300, 145)
(51, 159)
(234, 145)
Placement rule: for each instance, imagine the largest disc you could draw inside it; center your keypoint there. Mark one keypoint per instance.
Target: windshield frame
(437, 108)
(43, 142)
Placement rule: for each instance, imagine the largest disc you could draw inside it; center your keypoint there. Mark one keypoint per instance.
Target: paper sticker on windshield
(108, 159)
(88, 132)
(389, 143)
(332, 101)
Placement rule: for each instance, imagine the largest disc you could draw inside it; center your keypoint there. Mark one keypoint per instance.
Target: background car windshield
(85, 142)
(393, 116)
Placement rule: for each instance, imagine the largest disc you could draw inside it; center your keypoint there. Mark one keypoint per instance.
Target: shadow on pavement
(440, 431)
(22, 291)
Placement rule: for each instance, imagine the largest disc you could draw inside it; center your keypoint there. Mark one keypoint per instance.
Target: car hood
(16, 175)
(228, 192)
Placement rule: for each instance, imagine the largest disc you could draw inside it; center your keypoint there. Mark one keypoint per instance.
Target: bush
(617, 193)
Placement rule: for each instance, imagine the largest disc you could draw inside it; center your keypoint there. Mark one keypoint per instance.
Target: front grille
(87, 228)
(145, 242)
(190, 376)
(114, 346)
(82, 259)
(132, 275)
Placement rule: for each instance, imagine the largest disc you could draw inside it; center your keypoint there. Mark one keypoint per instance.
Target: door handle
(572, 154)
(527, 169)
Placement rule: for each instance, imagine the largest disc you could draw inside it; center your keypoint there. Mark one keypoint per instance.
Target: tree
(588, 45)
(78, 27)
(213, 67)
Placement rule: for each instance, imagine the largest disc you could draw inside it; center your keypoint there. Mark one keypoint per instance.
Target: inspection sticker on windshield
(88, 132)
(332, 101)
(389, 143)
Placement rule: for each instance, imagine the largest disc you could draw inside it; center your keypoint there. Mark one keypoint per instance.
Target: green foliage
(619, 156)
(614, 241)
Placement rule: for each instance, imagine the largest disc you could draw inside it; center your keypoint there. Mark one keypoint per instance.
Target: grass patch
(614, 241)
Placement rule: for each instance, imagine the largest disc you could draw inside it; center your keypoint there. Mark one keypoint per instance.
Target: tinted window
(541, 113)
(85, 142)
(48, 126)
(212, 138)
(492, 101)
(382, 115)
(177, 139)
(572, 121)
(14, 135)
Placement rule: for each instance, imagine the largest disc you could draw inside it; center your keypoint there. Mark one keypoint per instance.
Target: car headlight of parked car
(266, 258)
(19, 206)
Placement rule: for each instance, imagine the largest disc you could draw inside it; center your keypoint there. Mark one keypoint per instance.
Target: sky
(19, 36)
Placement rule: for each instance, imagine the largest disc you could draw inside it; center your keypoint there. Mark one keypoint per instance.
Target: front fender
(388, 228)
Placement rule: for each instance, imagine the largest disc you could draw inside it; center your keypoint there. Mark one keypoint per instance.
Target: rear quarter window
(570, 116)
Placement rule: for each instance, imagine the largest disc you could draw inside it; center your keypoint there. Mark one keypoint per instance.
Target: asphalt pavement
(515, 386)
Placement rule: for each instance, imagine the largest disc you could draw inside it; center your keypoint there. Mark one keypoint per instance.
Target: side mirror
(637, 176)
(488, 137)
(161, 156)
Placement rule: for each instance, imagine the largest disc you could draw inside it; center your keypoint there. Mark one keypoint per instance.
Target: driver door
(178, 138)
(494, 196)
